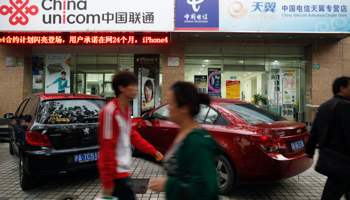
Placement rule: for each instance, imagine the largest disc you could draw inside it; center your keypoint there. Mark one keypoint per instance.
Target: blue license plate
(297, 145)
(85, 157)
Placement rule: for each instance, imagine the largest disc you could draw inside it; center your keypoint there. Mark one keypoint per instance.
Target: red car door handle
(165, 130)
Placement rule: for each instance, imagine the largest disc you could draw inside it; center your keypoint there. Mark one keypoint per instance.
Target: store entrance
(94, 84)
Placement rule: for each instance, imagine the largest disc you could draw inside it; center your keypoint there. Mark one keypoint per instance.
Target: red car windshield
(254, 114)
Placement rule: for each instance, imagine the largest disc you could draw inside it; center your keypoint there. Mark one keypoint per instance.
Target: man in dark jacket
(339, 140)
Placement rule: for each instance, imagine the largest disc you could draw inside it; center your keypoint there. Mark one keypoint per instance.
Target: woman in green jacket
(189, 163)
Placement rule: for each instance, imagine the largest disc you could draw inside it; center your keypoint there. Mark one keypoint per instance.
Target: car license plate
(297, 145)
(85, 157)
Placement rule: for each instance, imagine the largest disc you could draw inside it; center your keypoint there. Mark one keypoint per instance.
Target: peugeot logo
(86, 131)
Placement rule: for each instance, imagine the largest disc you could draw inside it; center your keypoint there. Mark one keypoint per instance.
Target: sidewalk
(86, 184)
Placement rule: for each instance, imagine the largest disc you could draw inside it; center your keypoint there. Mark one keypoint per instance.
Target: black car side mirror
(145, 116)
(8, 116)
(27, 118)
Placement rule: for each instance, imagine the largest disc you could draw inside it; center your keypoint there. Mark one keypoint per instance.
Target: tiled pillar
(172, 74)
(14, 81)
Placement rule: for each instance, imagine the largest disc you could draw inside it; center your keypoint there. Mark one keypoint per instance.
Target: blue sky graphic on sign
(197, 15)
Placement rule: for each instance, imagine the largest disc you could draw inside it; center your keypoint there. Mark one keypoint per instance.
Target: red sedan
(258, 145)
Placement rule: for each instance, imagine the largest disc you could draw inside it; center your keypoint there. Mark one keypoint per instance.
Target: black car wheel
(227, 174)
(26, 181)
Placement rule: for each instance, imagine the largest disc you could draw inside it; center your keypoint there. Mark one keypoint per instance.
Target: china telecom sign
(197, 15)
(86, 15)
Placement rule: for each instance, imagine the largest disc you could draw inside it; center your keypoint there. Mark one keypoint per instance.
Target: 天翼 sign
(86, 15)
(294, 16)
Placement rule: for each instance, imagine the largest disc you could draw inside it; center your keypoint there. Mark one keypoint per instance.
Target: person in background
(115, 138)
(62, 83)
(190, 161)
(340, 142)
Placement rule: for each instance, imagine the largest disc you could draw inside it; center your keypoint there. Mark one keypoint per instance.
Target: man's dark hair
(123, 78)
(341, 81)
(148, 84)
(63, 72)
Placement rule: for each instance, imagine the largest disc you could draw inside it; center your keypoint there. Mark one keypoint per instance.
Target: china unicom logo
(19, 11)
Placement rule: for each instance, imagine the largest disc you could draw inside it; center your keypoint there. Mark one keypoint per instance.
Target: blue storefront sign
(197, 15)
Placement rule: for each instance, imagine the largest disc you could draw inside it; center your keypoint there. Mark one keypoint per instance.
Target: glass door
(94, 84)
(80, 83)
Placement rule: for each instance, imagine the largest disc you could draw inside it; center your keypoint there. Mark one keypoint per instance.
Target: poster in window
(201, 82)
(57, 75)
(214, 82)
(38, 81)
(147, 93)
(233, 89)
(289, 87)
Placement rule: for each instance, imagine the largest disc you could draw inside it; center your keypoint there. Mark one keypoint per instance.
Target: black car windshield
(254, 114)
(69, 111)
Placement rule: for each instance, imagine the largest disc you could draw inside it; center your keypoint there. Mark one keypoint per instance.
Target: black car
(54, 134)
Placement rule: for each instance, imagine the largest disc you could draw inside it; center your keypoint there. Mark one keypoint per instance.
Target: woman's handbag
(332, 163)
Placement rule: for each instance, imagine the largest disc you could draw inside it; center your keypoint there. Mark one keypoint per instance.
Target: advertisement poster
(233, 89)
(197, 15)
(57, 75)
(147, 93)
(214, 82)
(288, 111)
(37, 65)
(289, 87)
(201, 82)
(38, 81)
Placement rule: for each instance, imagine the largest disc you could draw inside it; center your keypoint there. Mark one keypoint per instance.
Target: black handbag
(332, 163)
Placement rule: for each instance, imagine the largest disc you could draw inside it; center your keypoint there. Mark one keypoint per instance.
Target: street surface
(86, 184)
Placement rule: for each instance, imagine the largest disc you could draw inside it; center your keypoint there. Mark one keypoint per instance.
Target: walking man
(115, 138)
(339, 140)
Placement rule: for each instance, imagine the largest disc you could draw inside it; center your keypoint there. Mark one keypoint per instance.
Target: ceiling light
(249, 73)
(290, 36)
(259, 36)
(239, 77)
(201, 68)
(321, 37)
(228, 36)
(245, 75)
(197, 35)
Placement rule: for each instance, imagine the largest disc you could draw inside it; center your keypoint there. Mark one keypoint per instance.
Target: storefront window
(276, 80)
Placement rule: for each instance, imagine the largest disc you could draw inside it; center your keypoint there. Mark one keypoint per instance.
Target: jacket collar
(339, 96)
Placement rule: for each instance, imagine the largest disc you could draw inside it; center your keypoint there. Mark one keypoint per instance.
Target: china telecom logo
(19, 11)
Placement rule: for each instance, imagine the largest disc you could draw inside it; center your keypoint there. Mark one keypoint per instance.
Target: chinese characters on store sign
(85, 39)
(315, 8)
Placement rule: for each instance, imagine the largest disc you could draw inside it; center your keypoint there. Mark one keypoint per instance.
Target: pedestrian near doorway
(337, 131)
(115, 138)
(190, 161)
